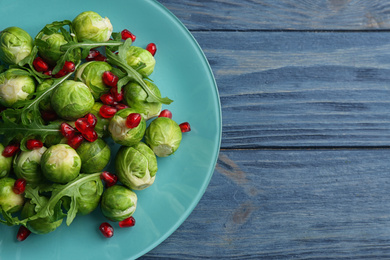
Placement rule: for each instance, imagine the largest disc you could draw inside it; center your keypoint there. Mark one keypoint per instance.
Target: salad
(63, 95)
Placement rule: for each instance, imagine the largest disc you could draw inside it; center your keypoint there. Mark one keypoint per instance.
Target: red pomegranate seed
(100, 57)
(67, 130)
(40, 65)
(129, 222)
(69, 66)
(152, 48)
(120, 106)
(106, 229)
(109, 178)
(19, 186)
(48, 73)
(82, 124)
(133, 120)
(10, 150)
(91, 119)
(90, 135)
(48, 115)
(107, 99)
(127, 34)
(75, 141)
(92, 55)
(61, 73)
(110, 79)
(107, 111)
(32, 144)
(118, 97)
(166, 113)
(23, 233)
(185, 127)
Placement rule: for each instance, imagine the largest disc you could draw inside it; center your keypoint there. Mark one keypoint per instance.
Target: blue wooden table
(304, 166)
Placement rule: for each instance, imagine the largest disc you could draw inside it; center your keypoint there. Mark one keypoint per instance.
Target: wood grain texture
(301, 89)
(282, 14)
(287, 204)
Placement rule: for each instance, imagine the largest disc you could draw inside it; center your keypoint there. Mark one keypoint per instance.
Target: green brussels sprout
(15, 87)
(94, 155)
(45, 102)
(40, 225)
(60, 163)
(123, 135)
(91, 26)
(136, 166)
(10, 201)
(163, 135)
(5, 163)
(72, 100)
(137, 56)
(102, 123)
(91, 74)
(15, 45)
(27, 165)
(51, 51)
(118, 203)
(91, 193)
(135, 97)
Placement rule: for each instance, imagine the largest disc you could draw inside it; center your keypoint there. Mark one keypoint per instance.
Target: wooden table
(304, 166)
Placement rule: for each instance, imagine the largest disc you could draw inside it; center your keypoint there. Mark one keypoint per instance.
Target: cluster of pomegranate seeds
(133, 120)
(19, 186)
(152, 48)
(32, 144)
(109, 178)
(68, 67)
(10, 150)
(85, 129)
(40, 65)
(95, 55)
(185, 127)
(129, 222)
(165, 113)
(23, 233)
(126, 34)
(106, 229)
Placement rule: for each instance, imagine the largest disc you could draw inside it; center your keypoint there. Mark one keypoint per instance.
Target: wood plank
(273, 204)
(301, 89)
(282, 15)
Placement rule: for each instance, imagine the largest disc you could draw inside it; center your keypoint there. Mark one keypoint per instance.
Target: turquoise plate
(183, 74)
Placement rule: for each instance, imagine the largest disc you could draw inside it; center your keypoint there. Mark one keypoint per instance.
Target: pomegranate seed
(67, 130)
(107, 111)
(118, 97)
(133, 120)
(166, 113)
(110, 79)
(185, 127)
(48, 73)
(48, 115)
(40, 65)
(32, 144)
(120, 106)
(109, 178)
(23, 233)
(19, 186)
(10, 150)
(82, 124)
(91, 119)
(129, 222)
(152, 48)
(69, 66)
(127, 34)
(106, 229)
(107, 99)
(92, 55)
(90, 135)
(100, 57)
(75, 141)
(61, 73)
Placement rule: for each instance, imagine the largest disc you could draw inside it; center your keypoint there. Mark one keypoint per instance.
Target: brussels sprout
(90, 197)
(94, 156)
(51, 51)
(60, 163)
(9, 200)
(91, 74)
(5, 163)
(45, 102)
(72, 100)
(15, 45)
(40, 225)
(15, 87)
(27, 165)
(118, 203)
(135, 97)
(91, 26)
(163, 135)
(123, 135)
(136, 166)
(102, 123)
(137, 56)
